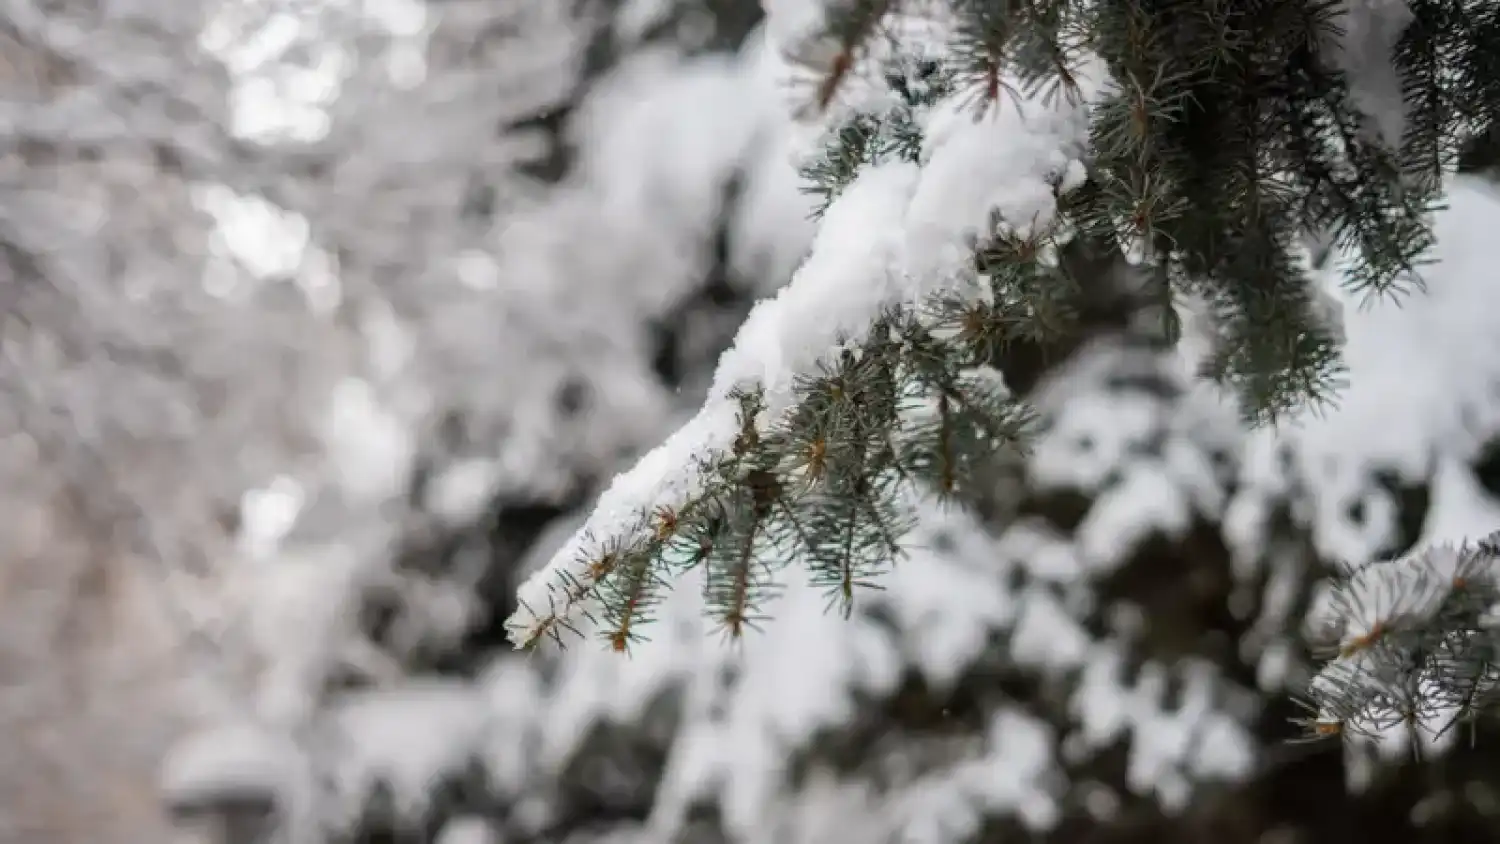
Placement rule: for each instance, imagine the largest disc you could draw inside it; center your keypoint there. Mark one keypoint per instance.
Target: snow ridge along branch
(865, 374)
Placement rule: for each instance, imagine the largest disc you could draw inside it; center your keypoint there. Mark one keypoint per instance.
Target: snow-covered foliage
(129, 414)
(401, 317)
(966, 604)
(936, 189)
(898, 235)
(1137, 588)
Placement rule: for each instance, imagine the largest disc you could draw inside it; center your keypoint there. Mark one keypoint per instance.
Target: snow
(946, 604)
(468, 831)
(1422, 376)
(1370, 30)
(460, 492)
(849, 277)
(1392, 594)
(267, 515)
(945, 601)
(833, 297)
(407, 739)
(1461, 508)
(1421, 401)
(512, 696)
(871, 251)
(1010, 775)
(1148, 501)
(1008, 162)
(267, 240)
(897, 233)
(1169, 749)
(791, 21)
(771, 235)
(1046, 635)
(240, 761)
(1078, 451)
(298, 609)
(1172, 749)
(359, 425)
(735, 740)
(950, 599)
(1046, 554)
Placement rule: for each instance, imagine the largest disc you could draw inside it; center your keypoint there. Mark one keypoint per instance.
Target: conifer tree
(974, 160)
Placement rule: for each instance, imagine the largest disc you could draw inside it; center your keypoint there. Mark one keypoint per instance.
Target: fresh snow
(834, 297)
(872, 250)
(893, 236)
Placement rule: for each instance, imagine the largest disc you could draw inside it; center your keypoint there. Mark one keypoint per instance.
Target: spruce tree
(978, 162)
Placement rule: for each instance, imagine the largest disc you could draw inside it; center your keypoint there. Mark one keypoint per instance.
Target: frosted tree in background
(248, 312)
(132, 421)
(381, 556)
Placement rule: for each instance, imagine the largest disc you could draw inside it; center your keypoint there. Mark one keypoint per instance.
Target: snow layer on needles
(1009, 161)
(749, 708)
(851, 274)
(1422, 396)
(841, 286)
(894, 235)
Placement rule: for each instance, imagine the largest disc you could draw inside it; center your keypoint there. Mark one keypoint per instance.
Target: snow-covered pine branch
(1415, 648)
(961, 148)
(893, 241)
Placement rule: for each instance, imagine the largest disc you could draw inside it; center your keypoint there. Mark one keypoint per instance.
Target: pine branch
(1221, 139)
(827, 484)
(859, 22)
(1413, 644)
